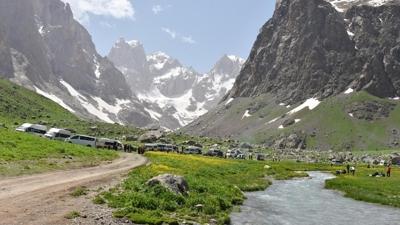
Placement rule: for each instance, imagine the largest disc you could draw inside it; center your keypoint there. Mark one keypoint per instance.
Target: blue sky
(196, 32)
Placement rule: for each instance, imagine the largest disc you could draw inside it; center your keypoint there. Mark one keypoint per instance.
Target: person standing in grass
(388, 170)
(348, 168)
(353, 170)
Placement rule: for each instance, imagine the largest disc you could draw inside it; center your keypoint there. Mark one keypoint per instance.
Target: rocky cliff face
(310, 54)
(43, 48)
(309, 49)
(172, 93)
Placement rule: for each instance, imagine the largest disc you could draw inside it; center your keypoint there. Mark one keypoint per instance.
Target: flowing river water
(306, 202)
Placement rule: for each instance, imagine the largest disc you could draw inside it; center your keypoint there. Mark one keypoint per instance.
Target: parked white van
(82, 140)
(58, 134)
(109, 144)
(32, 128)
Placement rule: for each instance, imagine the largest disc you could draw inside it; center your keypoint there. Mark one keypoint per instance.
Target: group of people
(351, 169)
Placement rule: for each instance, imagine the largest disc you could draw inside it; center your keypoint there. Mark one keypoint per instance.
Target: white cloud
(175, 35)
(157, 9)
(113, 8)
(170, 32)
(188, 39)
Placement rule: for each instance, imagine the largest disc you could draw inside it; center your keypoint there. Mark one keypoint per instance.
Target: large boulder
(151, 136)
(173, 183)
(293, 141)
(246, 145)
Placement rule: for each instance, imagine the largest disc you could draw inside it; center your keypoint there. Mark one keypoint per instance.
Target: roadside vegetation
(79, 191)
(72, 215)
(215, 184)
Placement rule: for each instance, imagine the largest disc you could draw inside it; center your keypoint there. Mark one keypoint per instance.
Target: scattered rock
(173, 183)
(288, 122)
(246, 145)
(293, 141)
(151, 136)
(371, 110)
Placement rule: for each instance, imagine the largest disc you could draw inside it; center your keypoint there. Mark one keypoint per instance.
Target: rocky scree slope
(44, 49)
(173, 94)
(311, 55)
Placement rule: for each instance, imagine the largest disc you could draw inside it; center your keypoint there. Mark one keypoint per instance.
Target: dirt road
(45, 198)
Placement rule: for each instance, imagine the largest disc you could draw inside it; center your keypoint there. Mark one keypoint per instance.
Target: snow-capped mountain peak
(160, 63)
(175, 95)
(228, 64)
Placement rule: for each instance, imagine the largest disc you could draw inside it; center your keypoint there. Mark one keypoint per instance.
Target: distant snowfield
(229, 101)
(54, 99)
(349, 91)
(273, 120)
(311, 104)
(343, 5)
(246, 114)
(181, 104)
(102, 110)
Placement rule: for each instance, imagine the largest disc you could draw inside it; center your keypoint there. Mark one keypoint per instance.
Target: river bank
(305, 201)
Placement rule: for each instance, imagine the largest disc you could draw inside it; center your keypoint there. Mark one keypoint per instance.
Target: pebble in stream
(306, 202)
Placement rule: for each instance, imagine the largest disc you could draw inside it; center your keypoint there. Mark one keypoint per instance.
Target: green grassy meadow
(215, 183)
(382, 190)
(218, 184)
(22, 154)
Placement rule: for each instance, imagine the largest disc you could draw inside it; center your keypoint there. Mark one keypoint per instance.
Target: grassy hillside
(22, 153)
(19, 105)
(329, 126)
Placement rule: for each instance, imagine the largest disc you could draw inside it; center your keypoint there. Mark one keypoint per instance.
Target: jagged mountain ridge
(172, 93)
(44, 49)
(309, 54)
(325, 52)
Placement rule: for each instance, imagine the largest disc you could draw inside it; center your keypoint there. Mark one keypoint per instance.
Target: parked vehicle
(260, 157)
(241, 156)
(32, 128)
(160, 147)
(336, 162)
(215, 153)
(150, 147)
(58, 134)
(82, 140)
(193, 150)
(233, 153)
(109, 144)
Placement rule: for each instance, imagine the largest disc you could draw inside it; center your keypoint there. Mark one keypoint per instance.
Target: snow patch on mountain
(101, 109)
(311, 104)
(343, 5)
(229, 101)
(54, 98)
(246, 114)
